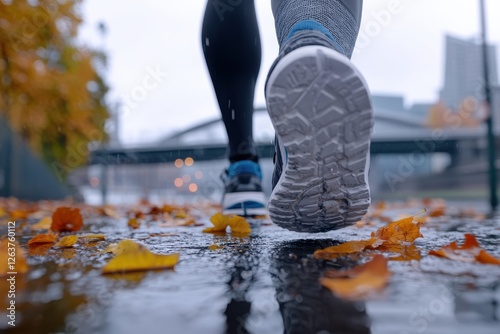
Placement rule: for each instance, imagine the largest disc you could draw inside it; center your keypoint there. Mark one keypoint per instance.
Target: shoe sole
(321, 111)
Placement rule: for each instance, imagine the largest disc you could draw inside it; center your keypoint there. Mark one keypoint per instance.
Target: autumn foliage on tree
(51, 91)
(439, 116)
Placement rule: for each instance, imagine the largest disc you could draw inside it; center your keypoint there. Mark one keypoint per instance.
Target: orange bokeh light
(178, 182)
(179, 163)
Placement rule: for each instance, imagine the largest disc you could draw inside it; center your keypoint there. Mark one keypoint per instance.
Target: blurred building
(464, 74)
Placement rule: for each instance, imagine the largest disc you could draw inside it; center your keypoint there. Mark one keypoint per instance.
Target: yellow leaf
(239, 225)
(2, 212)
(67, 241)
(43, 224)
(94, 236)
(134, 223)
(127, 246)
(139, 260)
(359, 282)
(220, 222)
(6, 248)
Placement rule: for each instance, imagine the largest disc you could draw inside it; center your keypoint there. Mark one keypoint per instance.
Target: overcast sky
(401, 54)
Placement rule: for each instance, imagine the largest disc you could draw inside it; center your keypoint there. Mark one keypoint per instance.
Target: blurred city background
(111, 101)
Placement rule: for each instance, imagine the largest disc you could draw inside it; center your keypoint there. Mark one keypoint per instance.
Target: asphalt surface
(265, 283)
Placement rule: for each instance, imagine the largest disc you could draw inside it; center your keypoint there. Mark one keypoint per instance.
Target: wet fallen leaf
(220, 222)
(139, 258)
(345, 248)
(67, 241)
(66, 219)
(2, 212)
(404, 231)
(470, 251)
(359, 282)
(127, 246)
(134, 223)
(93, 237)
(487, 258)
(391, 237)
(43, 224)
(8, 251)
(238, 224)
(43, 239)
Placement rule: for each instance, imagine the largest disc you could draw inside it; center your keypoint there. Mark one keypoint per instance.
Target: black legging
(231, 44)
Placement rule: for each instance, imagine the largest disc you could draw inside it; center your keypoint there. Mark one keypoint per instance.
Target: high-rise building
(464, 70)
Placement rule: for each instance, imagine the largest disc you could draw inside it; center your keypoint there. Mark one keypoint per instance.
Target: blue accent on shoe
(244, 167)
(247, 205)
(313, 25)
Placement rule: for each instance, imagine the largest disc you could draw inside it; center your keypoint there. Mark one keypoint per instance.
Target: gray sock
(337, 19)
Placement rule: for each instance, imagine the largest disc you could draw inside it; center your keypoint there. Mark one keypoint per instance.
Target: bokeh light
(179, 163)
(178, 182)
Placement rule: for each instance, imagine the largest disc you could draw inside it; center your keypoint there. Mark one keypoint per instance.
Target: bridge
(393, 134)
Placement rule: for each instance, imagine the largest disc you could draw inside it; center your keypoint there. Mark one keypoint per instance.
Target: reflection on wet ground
(265, 283)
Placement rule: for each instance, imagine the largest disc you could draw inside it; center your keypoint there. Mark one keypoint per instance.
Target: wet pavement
(265, 283)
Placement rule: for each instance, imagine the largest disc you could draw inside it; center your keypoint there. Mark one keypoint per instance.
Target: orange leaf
(485, 257)
(403, 231)
(45, 238)
(66, 219)
(399, 233)
(470, 251)
(134, 223)
(359, 282)
(345, 248)
(7, 249)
